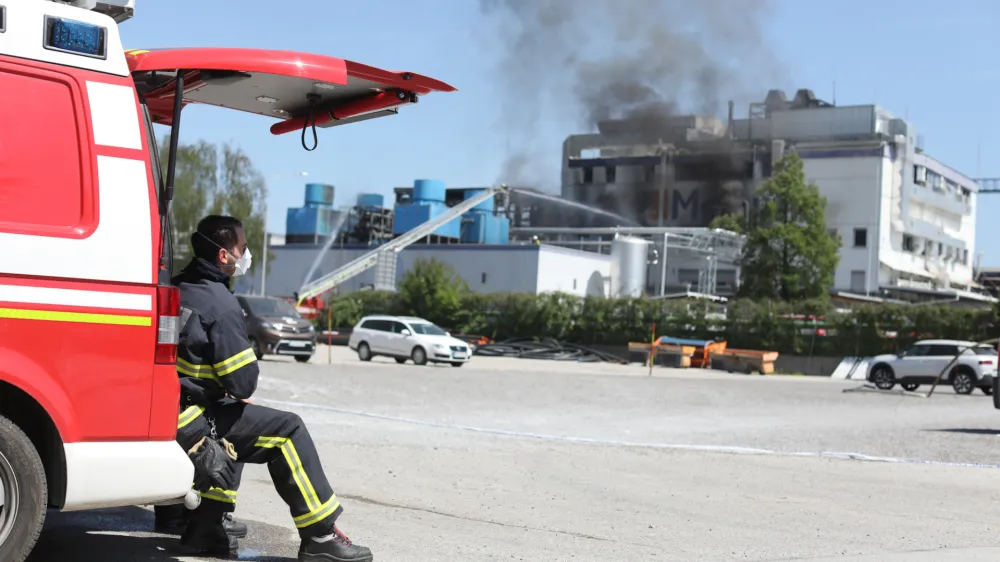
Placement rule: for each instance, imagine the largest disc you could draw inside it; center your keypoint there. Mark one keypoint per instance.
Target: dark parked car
(276, 328)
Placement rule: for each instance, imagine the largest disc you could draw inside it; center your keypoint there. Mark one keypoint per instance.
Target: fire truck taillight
(168, 312)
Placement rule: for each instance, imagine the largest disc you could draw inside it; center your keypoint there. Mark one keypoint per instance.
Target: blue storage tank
(371, 200)
(428, 191)
(484, 207)
(309, 221)
(485, 228)
(408, 217)
(427, 203)
(319, 195)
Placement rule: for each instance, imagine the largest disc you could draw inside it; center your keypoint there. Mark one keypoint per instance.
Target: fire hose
(546, 348)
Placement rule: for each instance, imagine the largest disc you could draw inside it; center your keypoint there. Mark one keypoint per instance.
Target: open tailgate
(300, 89)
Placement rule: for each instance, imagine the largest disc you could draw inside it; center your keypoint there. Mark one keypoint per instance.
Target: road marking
(616, 443)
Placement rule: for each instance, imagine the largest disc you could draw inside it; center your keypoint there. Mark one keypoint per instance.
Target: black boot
(171, 520)
(233, 527)
(335, 547)
(206, 534)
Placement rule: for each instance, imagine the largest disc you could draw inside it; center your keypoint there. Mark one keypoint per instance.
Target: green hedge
(811, 328)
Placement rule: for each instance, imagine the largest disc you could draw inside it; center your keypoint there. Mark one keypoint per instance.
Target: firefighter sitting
(218, 373)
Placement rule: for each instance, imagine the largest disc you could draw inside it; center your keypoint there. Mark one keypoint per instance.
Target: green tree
(242, 193)
(432, 290)
(213, 180)
(195, 185)
(789, 253)
(733, 222)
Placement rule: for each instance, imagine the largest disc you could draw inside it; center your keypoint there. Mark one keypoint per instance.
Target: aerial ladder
(387, 253)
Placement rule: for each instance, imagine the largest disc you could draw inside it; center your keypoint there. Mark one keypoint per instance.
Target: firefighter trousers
(279, 439)
(192, 425)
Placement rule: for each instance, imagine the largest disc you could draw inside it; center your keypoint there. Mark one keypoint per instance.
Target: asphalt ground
(511, 459)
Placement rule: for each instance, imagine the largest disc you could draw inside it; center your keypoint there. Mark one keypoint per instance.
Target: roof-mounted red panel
(285, 85)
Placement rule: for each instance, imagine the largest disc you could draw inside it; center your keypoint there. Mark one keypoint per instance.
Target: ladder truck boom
(368, 260)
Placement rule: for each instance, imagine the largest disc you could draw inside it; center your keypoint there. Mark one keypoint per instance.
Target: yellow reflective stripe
(185, 367)
(189, 415)
(136, 52)
(318, 515)
(219, 495)
(295, 464)
(78, 317)
(227, 366)
(192, 367)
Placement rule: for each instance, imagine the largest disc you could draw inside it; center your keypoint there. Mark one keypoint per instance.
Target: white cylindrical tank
(628, 266)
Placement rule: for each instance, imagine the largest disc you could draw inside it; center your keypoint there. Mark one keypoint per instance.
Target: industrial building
(651, 187)
(906, 221)
(478, 246)
(486, 268)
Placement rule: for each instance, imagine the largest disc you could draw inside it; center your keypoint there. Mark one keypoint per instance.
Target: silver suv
(923, 361)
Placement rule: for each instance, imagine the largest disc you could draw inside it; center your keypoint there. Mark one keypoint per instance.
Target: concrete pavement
(509, 459)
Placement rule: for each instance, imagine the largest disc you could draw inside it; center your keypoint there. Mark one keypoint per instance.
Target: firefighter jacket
(214, 356)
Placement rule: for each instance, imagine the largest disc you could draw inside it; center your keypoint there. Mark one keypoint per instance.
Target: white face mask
(243, 264)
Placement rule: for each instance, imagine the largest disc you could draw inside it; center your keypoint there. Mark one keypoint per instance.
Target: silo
(428, 191)
(628, 266)
(319, 195)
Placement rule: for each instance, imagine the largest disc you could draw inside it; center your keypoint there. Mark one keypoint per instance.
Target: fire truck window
(41, 181)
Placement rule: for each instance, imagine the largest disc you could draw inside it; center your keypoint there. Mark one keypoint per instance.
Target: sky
(932, 62)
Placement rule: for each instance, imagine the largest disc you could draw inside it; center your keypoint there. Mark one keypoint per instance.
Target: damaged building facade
(906, 221)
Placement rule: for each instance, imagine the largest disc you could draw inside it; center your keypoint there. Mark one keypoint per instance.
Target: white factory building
(511, 268)
(907, 222)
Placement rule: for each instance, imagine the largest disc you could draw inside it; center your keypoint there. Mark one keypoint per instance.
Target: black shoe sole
(175, 530)
(306, 557)
(178, 529)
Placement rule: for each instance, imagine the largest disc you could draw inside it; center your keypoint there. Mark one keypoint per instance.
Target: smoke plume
(583, 61)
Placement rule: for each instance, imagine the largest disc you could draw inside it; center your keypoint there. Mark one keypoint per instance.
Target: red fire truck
(88, 321)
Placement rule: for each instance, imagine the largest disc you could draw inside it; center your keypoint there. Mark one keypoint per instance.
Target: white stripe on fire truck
(74, 297)
(120, 249)
(114, 115)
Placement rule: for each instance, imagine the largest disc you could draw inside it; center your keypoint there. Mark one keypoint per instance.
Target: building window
(908, 245)
(965, 257)
(574, 284)
(860, 237)
(919, 175)
(858, 281)
(482, 278)
(610, 175)
(588, 175)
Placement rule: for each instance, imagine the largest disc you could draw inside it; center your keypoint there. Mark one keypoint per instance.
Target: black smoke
(581, 62)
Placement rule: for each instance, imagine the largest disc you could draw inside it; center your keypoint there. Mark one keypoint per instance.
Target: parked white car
(407, 337)
(923, 361)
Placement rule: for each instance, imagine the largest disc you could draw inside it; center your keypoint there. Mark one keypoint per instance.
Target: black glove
(214, 464)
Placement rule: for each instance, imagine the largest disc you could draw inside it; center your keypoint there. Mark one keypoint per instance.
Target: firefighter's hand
(214, 464)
